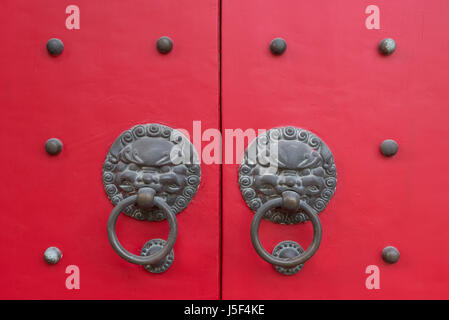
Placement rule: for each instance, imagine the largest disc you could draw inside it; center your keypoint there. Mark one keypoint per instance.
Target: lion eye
(167, 179)
(313, 188)
(128, 176)
(127, 186)
(180, 169)
(165, 169)
(267, 189)
(269, 180)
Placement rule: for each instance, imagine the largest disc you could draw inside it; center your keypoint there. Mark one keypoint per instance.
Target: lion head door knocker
(287, 176)
(150, 173)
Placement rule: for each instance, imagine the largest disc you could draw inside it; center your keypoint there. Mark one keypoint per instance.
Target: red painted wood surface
(333, 82)
(109, 78)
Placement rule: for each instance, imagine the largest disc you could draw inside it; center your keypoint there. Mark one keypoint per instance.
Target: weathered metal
(287, 159)
(287, 250)
(387, 46)
(289, 262)
(278, 46)
(155, 257)
(390, 254)
(389, 147)
(55, 47)
(53, 146)
(150, 173)
(151, 248)
(154, 156)
(52, 255)
(164, 45)
(288, 176)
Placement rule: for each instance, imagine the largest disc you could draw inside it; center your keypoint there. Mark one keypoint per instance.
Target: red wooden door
(332, 81)
(109, 78)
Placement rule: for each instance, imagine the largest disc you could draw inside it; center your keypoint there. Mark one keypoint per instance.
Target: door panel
(109, 78)
(332, 81)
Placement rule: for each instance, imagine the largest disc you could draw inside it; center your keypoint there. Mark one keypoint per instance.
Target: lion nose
(290, 181)
(147, 178)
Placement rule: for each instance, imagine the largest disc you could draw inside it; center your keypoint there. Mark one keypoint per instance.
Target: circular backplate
(153, 246)
(154, 156)
(288, 249)
(287, 158)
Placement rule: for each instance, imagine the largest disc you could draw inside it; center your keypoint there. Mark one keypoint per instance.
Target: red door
(109, 78)
(332, 81)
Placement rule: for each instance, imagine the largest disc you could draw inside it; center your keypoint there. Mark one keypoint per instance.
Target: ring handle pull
(157, 254)
(151, 172)
(290, 200)
(287, 176)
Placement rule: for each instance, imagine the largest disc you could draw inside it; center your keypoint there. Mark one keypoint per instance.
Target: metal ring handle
(151, 259)
(285, 262)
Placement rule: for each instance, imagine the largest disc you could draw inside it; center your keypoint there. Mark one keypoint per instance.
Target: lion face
(147, 163)
(299, 169)
(153, 156)
(287, 159)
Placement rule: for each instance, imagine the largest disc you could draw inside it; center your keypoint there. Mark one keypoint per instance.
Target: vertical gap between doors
(220, 4)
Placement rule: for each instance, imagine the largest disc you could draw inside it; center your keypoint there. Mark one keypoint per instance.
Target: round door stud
(389, 147)
(387, 46)
(278, 46)
(52, 255)
(390, 254)
(53, 146)
(164, 45)
(55, 47)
